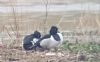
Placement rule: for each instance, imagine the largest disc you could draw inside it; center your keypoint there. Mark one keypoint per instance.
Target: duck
(30, 40)
(52, 40)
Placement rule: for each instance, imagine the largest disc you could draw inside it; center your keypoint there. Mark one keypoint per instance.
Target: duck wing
(28, 39)
(44, 37)
(56, 37)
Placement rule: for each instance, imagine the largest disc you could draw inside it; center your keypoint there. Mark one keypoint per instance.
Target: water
(52, 8)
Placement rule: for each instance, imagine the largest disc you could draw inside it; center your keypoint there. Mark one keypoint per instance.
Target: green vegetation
(88, 52)
(90, 47)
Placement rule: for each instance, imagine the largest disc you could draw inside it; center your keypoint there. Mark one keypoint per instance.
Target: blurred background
(78, 20)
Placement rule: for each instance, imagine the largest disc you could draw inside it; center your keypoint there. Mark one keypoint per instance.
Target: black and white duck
(52, 40)
(30, 40)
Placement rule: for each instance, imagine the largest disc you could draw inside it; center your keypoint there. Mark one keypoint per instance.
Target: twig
(46, 15)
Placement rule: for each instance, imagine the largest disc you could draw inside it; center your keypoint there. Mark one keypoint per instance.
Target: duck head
(53, 30)
(37, 34)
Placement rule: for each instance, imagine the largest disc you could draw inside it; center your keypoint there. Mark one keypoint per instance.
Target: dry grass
(17, 54)
(28, 22)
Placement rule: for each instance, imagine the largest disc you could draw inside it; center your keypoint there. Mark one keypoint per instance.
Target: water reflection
(53, 8)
